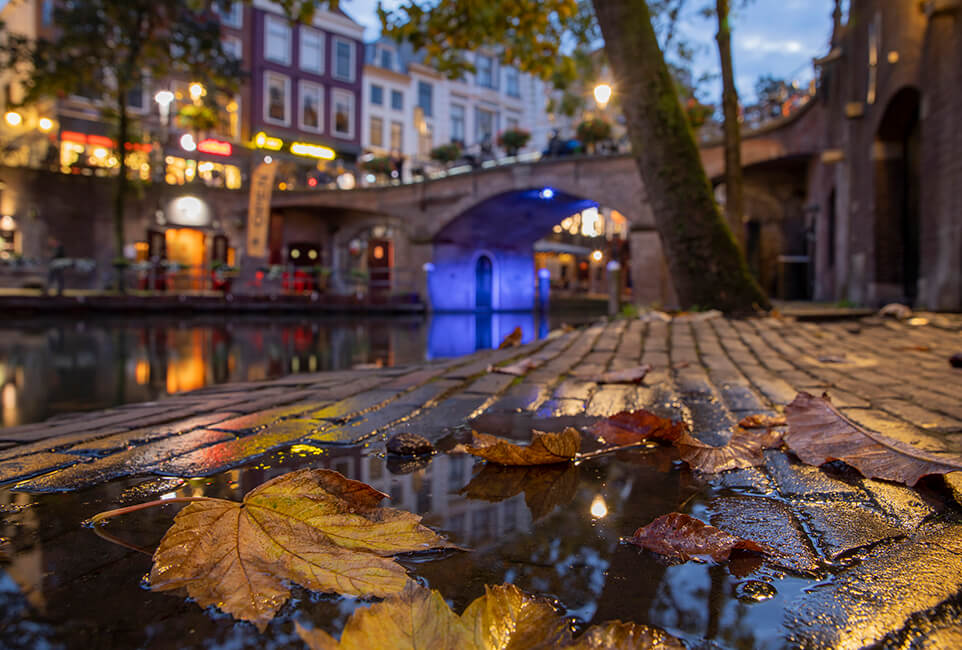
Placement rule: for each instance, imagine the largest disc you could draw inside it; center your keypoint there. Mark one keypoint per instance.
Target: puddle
(551, 531)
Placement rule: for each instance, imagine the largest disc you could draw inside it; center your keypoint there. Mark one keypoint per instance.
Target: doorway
(185, 247)
(484, 282)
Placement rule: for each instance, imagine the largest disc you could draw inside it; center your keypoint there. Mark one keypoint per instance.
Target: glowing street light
(197, 91)
(13, 118)
(602, 95)
(45, 124)
(187, 142)
(597, 256)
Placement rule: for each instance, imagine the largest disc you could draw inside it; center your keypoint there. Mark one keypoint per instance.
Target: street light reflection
(599, 509)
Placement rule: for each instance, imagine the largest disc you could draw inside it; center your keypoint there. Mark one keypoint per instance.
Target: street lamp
(197, 91)
(164, 99)
(602, 95)
(13, 118)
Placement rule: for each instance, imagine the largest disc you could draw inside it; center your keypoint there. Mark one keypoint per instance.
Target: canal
(51, 367)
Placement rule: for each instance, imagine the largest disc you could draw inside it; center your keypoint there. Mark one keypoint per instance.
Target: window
(312, 102)
(311, 51)
(387, 59)
(343, 59)
(135, 97)
(233, 47)
(343, 113)
(484, 66)
(377, 132)
(377, 95)
(512, 87)
(47, 12)
(233, 17)
(457, 123)
(397, 100)
(486, 125)
(228, 116)
(874, 46)
(425, 98)
(277, 42)
(277, 99)
(397, 131)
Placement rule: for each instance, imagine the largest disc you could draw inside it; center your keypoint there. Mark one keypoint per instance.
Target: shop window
(277, 40)
(8, 237)
(180, 171)
(228, 116)
(312, 102)
(277, 99)
(312, 50)
(343, 108)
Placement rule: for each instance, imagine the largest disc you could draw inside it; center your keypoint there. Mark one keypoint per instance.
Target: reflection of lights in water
(169, 495)
(142, 372)
(599, 508)
(8, 398)
(378, 252)
(307, 449)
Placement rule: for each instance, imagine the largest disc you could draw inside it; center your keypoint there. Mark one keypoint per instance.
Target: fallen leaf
(504, 618)
(544, 488)
(312, 527)
(917, 348)
(818, 433)
(545, 448)
(512, 340)
(832, 358)
(744, 449)
(896, 310)
(761, 421)
(517, 369)
(627, 376)
(630, 427)
(681, 536)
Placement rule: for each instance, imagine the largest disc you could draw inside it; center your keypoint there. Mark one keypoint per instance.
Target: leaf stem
(102, 516)
(609, 450)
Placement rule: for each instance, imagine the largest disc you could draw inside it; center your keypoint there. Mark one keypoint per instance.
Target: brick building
(886, 187)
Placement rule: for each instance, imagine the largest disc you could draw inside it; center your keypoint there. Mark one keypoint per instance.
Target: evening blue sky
(778, 37)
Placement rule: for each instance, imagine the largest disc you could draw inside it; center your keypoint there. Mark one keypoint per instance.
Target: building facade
(885, 190)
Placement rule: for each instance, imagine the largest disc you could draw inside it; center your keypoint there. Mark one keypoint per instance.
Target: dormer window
(387, 59)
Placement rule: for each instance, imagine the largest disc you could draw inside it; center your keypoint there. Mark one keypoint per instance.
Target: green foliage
(594, 130)
(446, 153)
(197, 117)
(513, 139)
(380, 165)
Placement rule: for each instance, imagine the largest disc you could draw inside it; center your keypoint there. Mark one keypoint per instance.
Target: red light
(215, 147)
(312, 182)
(73, 136)
(100, 140)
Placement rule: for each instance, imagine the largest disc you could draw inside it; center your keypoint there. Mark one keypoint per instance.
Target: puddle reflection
(541, 529)
(51, 367)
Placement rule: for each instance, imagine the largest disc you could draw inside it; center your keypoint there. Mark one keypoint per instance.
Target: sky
(777, 37)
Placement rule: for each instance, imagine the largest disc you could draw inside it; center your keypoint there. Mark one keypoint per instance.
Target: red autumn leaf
(684, 537)
(761, 421)
(627, 376)
(818, 433)
(631, 427)
(511, 340)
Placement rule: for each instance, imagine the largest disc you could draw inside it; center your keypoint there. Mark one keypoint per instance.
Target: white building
(410, 108)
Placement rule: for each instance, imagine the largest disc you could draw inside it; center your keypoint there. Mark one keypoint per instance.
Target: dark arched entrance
(897, 198)
(484, 283)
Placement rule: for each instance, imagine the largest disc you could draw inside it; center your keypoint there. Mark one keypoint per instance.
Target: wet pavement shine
(859, 562)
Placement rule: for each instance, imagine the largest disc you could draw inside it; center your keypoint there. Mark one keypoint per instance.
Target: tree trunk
(707, 268)
(120, 196)
(734, 182)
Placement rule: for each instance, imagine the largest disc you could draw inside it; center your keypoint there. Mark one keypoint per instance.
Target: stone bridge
(499, 212)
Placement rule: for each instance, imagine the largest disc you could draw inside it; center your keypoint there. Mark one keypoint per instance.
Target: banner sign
(259, 209)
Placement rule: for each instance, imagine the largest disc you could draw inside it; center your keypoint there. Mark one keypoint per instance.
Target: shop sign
(215, 147)
(264, 141)
(313, 150)
(259, 209)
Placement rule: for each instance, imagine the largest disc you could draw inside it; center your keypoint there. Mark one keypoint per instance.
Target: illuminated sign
(101, 141)
(264, 141)
(215, 147)
(313, 150)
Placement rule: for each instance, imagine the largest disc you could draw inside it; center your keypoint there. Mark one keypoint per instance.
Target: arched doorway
(484, 283)
(897, 198)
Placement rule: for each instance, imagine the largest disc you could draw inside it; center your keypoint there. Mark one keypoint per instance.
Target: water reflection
(73, 588)
(53, 367)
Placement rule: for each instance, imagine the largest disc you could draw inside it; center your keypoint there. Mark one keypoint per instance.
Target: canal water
(53, 367)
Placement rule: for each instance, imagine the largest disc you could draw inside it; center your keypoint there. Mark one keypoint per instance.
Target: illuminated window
(377, 131)
(277, 99)
(397, 132)
(312, 103)
(343, 113)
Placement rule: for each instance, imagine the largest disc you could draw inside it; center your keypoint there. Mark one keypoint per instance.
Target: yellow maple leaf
(312, 527)
(504, 618)
(545, 448)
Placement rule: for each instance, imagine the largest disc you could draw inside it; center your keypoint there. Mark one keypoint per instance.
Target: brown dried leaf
(512, 340)
(545, 448)
(630, 427)
(744, 449)
(544, 487)
(761, 421)
(504, 618)
(627, 376)
(818, 433)
(518, 368)
(312, 527)
(684, 537)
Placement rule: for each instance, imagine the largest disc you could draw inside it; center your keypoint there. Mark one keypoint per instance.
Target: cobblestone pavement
(889, 376)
